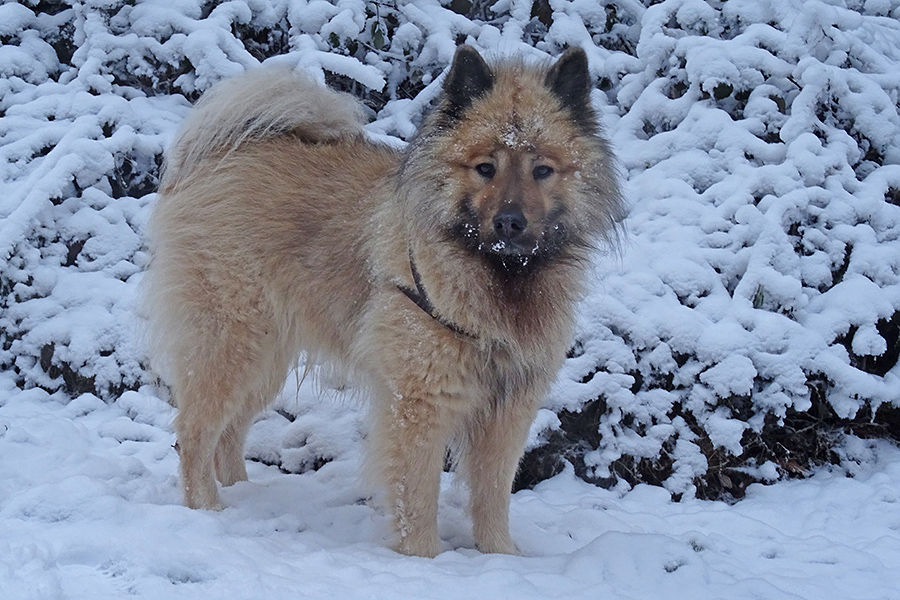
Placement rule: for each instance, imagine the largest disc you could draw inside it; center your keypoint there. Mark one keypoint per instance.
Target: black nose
(510, 223)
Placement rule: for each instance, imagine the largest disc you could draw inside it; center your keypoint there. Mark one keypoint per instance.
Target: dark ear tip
(467, 57)
(574, 53)
(570, 73)
(574, 60)
(465, 51)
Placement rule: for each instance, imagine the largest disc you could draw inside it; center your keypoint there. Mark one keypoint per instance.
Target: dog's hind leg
(198, 431)
(229, 458)
(222, 382)
(265, 377)
(494, 447)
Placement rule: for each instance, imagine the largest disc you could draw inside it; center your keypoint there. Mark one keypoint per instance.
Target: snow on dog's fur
(443, 277)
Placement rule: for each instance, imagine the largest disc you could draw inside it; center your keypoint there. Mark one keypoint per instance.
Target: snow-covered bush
(756, 311)
(753, 312)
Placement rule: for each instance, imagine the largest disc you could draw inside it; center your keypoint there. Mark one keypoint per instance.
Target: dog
(443, 276)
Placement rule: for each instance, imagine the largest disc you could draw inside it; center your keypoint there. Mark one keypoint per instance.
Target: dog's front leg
(410, 438)
(495, 445)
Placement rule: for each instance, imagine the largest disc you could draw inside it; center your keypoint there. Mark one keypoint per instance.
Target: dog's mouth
(522, 248)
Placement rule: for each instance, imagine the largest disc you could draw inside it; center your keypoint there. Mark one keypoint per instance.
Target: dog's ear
(570, 81)
(469, 78)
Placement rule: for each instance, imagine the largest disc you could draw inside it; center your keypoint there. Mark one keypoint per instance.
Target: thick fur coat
(443, 277)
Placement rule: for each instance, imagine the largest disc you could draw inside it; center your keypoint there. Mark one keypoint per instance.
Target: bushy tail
(259, 104)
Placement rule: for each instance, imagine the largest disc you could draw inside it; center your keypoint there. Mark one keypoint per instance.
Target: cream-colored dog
(443, 277)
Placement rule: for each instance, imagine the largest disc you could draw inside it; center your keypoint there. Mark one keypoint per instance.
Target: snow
(759, 142)
(89, 508)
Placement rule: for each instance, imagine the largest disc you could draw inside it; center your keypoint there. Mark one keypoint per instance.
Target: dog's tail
(260, 104)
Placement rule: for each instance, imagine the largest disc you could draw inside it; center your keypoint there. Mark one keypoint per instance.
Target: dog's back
(258, 184)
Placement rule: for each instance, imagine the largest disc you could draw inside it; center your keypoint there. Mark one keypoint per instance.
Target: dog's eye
(542, 172)
(486, 170)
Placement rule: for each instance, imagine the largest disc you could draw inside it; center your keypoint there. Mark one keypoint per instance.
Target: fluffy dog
(443, 277)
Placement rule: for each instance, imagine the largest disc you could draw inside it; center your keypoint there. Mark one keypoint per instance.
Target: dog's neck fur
(420, 298)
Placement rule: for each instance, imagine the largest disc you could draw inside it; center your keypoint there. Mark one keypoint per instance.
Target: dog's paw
(500, 545)
(207, 501)
(426, 548)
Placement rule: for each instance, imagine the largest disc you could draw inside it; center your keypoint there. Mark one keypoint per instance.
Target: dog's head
(515, 149)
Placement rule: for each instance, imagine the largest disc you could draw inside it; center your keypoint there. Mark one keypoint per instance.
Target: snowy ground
(90, 508)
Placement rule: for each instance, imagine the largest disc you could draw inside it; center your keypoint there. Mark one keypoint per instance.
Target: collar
(420, 298)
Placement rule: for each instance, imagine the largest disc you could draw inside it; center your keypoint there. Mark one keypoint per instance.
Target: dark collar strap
(421, 300)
